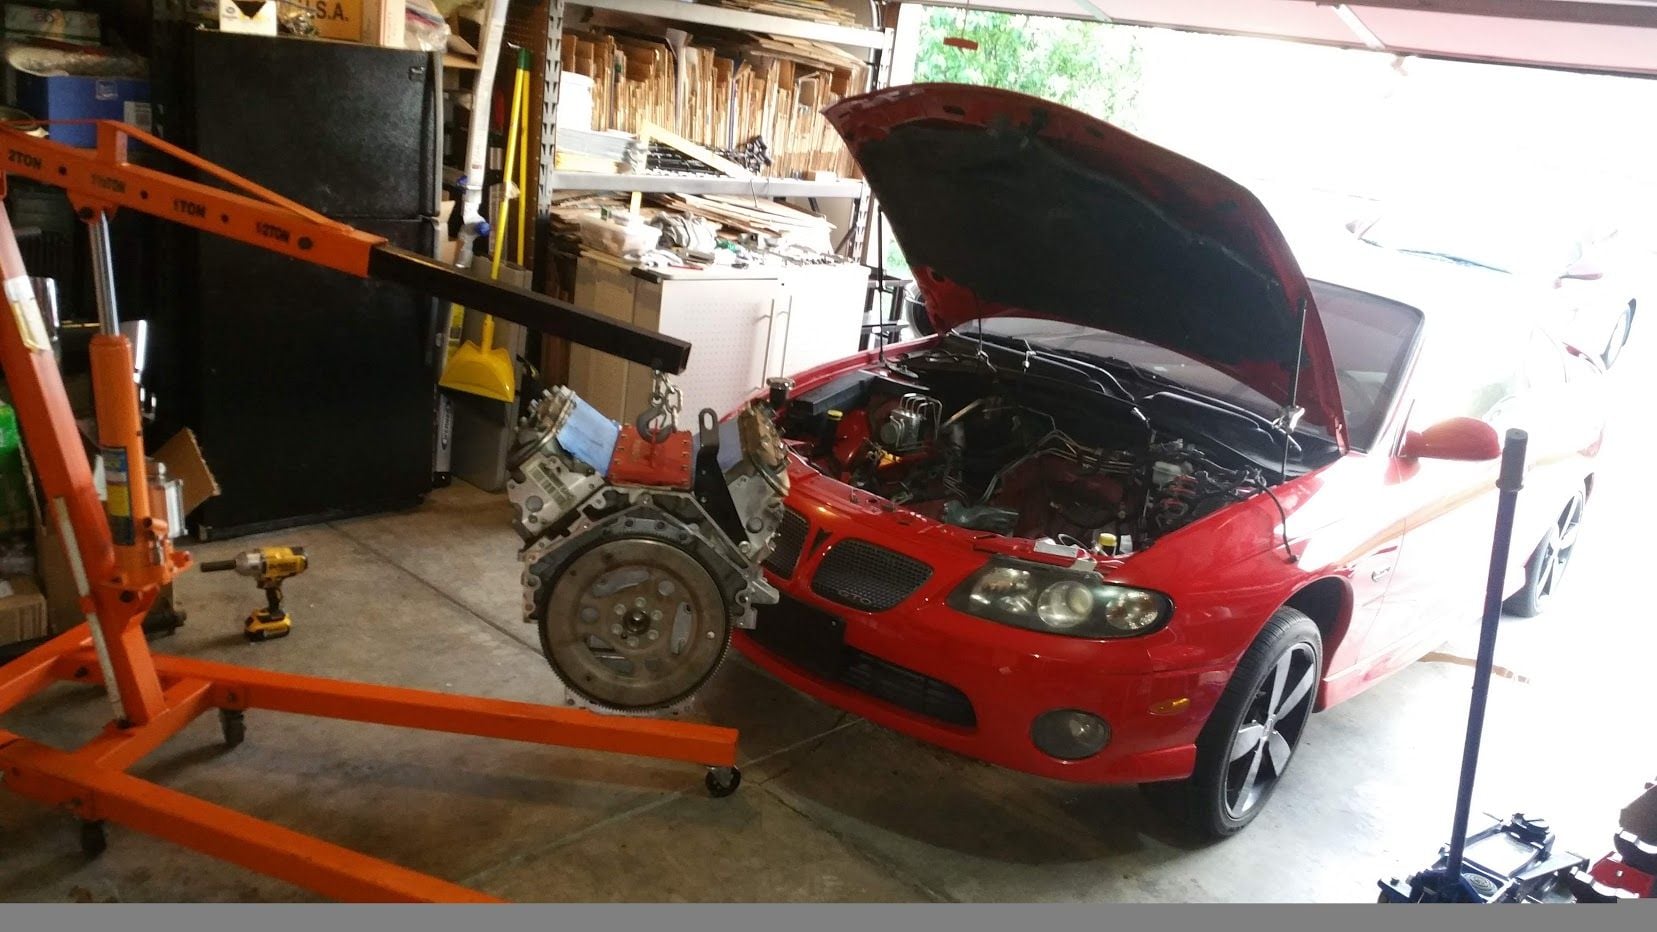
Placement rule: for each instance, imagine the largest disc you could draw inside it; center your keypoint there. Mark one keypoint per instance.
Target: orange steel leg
(121, 556)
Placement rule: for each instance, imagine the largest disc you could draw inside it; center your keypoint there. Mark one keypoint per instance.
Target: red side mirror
(1459, 438)
(1582, 270)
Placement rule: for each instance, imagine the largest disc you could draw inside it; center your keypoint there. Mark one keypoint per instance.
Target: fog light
(1070, 734)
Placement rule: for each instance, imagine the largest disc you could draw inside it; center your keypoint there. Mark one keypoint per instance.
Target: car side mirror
(1459, 438)
(1582, 271)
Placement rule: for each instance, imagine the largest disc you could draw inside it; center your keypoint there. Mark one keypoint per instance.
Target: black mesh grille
(907, 689)
(815, 641)
(790, 538)
(862, 575)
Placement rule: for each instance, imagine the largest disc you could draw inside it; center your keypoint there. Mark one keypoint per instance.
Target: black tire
(93, 838)
(1545, 567)
(1619, 337)
(1533, 598)
(914, 311)
(1225, 793)
(722, 781)
(233, 725)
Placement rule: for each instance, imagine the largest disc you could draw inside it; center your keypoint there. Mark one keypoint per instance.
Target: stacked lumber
(721, 92)
(816, 11)
(749, 215)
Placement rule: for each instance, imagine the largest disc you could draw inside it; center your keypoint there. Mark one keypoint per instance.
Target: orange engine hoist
(121, 553)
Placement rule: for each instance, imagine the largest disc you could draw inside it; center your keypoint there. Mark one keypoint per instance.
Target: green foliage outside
(1088, 66)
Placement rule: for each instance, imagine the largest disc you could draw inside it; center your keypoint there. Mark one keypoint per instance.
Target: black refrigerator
(311, 393)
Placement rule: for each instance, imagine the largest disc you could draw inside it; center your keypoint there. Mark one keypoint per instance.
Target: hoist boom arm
(103, 180)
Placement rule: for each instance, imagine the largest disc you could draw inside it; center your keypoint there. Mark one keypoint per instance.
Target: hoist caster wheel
(234, 726)
(93, 838)
(722, 781)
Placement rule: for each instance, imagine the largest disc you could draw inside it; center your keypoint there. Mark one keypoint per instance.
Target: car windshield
(1515, 245)
(1369, 339)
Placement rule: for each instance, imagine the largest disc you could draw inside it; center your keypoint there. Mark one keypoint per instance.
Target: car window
(1468, 367)
(1370, 339)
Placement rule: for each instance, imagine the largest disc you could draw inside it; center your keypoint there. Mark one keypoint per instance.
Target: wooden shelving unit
(872, 43)
(726, 18)
(710, 184)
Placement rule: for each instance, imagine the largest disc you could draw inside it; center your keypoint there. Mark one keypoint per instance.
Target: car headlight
(1059, 601)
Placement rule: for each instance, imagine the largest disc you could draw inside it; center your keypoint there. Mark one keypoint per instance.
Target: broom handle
(518, 83)
(523, 172)
(520, 80)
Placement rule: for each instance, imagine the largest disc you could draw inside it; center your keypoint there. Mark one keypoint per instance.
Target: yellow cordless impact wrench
(268, 566)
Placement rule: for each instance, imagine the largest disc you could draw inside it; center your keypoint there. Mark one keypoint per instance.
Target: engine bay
(980, 448)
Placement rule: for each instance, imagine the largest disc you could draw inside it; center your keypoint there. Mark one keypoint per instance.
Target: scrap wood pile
(759, 224)
(720, 92)
(769, 220)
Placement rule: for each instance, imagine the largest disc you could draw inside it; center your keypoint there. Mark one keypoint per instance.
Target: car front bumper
(969, 685)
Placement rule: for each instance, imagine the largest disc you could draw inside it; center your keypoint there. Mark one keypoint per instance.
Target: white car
(1587, 302)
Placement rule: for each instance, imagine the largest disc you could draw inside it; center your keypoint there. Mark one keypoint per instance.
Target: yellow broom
(482, 368)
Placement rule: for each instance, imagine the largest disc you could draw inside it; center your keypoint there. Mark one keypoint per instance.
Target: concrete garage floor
(831, 808)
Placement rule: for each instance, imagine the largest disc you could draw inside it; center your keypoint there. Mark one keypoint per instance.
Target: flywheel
(634, 624)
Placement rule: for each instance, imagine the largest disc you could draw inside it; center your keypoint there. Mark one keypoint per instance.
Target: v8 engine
(643, 543)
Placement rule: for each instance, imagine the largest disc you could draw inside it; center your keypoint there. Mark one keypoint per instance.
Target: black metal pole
(1508, 484)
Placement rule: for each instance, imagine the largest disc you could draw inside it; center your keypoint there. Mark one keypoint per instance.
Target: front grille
(907, 689)
(814, 641)
(790, 539)
(864, 576)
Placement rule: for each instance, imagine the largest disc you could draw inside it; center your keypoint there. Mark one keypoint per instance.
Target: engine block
(643, 552)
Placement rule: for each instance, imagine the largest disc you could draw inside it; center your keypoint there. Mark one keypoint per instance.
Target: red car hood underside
(1007, 205)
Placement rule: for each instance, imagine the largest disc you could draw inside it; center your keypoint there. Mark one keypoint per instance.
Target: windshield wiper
(1444, 256)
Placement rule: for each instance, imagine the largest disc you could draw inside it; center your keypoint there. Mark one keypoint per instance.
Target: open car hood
(1008, 205)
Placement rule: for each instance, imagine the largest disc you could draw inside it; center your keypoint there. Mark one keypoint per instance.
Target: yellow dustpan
(482, 368)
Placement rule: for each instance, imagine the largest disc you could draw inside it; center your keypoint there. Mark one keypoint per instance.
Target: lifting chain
(657, 422)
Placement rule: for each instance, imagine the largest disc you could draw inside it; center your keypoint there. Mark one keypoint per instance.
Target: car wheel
(914, 311)
(1546, 566)
(1619, 337)
(1247, 744)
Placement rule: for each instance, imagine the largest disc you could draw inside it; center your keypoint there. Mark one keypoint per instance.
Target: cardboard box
(251, 17)
(22, 610)
(76, 27)
(336, 19)
(184, 460)
(78, 97)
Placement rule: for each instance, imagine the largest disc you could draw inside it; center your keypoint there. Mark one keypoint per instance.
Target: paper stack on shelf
(589, 150)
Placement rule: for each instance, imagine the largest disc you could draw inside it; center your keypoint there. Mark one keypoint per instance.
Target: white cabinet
(728, 323)
(823, 310)
(744, 325)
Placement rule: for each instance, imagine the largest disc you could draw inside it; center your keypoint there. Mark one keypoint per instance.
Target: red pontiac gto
(1151, 495)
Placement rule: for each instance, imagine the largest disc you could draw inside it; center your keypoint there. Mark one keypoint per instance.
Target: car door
(1448, 508)
(1372, 341)
(1562, 417)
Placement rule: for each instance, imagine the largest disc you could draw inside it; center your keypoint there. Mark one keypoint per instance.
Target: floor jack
(121, 550)
(1513, 860)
